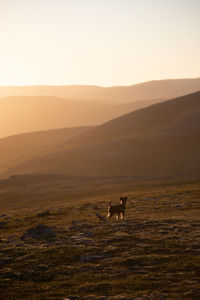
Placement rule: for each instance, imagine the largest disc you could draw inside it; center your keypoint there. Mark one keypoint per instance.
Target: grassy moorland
(71, 253)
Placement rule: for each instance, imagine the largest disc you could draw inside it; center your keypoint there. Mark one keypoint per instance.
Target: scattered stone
(39, 232)
(3, 224)
(95, 207)
(88, 233)
(44, 214)
(75, 225)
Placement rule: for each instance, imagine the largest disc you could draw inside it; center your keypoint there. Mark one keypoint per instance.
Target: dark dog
(118, 210)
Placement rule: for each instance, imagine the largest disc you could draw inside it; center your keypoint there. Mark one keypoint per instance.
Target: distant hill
(151, 90)
(29, 114)
(160, 140)
(29, 109)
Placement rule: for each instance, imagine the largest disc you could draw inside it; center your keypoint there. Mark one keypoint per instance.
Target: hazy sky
(103, 42)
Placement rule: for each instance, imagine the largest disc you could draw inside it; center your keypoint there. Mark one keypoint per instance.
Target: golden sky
(101, 42)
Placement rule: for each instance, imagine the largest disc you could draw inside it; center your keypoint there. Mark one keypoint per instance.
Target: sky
(98, 42)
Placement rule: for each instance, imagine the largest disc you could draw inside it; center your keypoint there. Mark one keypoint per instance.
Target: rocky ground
(75, 253)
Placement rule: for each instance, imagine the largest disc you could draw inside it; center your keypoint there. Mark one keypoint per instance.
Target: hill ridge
(161, 140)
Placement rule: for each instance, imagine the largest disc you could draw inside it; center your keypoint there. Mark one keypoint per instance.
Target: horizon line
(96, 85)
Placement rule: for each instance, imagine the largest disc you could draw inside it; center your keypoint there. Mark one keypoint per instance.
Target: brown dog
(118, 210)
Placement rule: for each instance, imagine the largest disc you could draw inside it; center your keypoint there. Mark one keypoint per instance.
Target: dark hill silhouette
(160, 140)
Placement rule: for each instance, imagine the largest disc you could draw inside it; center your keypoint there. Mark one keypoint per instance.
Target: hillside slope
(19, 148)
(160, 140)
(29, 114)
(75, 106)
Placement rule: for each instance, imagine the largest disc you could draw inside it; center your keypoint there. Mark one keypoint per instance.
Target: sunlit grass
(153, 253)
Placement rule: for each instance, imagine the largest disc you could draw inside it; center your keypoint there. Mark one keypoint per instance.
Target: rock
(75, 225)
(95, 207)
(88, 233)
(39, 232)
(44, 214)
(3, 224)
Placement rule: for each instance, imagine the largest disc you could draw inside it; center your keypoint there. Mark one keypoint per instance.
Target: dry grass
(152, 254)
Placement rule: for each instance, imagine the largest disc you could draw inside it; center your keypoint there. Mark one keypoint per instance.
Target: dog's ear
(121, 198)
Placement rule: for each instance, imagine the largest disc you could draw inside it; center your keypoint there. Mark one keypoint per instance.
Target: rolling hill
(160, 140)
(74, 106)
(151, 90)
(19, 148)
(30, 114)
